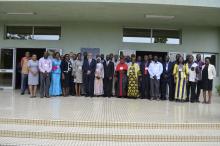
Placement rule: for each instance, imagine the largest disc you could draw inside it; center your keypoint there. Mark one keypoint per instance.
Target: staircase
(50, 132)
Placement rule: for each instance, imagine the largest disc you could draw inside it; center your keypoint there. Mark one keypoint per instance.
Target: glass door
(7, 65)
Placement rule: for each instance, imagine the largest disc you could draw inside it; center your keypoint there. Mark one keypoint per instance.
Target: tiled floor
(106, 121)
(13, 105)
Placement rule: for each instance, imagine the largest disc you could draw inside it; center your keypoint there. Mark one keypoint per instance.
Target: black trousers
(89, 85)
(164, 83)
(72, 86)
(145, 87)
(191, 90)
(199, 88)
(108, 87)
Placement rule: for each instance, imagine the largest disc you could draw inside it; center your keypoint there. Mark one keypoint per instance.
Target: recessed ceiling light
(159, 17)
(21, 13)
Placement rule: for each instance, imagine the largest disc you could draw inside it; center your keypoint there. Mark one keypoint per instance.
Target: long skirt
(98, 87)
(122, 85)
(55, 86)
(180, 88)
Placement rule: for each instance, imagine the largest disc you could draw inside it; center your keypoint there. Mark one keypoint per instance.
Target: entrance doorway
(153, 53)
(20, 52)
(7, 64)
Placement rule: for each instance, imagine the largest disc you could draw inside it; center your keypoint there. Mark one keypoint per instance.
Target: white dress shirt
(155, 69)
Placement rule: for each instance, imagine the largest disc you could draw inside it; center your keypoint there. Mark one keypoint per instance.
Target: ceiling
(109, 12)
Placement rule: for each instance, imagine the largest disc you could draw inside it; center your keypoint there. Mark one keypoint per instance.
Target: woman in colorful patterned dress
(133, 73)
(180, 73)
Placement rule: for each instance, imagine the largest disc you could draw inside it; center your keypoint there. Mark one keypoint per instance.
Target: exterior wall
(108, 37)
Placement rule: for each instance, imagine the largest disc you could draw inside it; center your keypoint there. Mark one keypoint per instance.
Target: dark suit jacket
(108, 69)
(142, 68)
(89, 67)
(169, 71)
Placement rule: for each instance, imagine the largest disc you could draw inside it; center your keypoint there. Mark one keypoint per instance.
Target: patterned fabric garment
(133, 82)
(180, 73)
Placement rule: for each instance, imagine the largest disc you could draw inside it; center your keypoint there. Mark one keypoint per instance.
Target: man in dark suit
(89, 66)
(145, 78)
(108, 76)
(167, 80)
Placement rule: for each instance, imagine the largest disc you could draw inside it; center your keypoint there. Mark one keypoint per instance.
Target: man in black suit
(108, 76)
(167, 80)
(89, 66)
(145, 78)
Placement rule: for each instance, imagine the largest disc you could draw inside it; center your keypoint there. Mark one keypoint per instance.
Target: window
(46, 33)
(166, 36)
(33, 32)
(137, 35)
(19, 32)
(134, 35)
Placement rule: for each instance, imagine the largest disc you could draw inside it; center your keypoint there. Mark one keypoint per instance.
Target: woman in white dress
(77, 74)
(99, 75)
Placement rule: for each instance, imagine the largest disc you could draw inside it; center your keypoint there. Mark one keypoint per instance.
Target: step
(109, 134)
(101, 124)
(11, 141)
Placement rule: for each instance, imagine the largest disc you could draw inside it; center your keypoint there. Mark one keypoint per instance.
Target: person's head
(177, 57)
(89, 56)
(111, 56)
(85, 54)
(79, 56)
(57, 55)
(128, 59)
(46, 54)
(139, 58)
(34, 57)
(122, 60)
(145, 58)
(190, 58)
(107, 57)
(61, 57)
(116, 57)
(155, 58)
(207, 60)
(198, 57)
(71, 54)
(167, 58)
(27, 54)
(160, 59)
(98, 59)
(150, 57)
(67, 57)
(102, 56)
(74, 57)
(181, 60)
(133, 59)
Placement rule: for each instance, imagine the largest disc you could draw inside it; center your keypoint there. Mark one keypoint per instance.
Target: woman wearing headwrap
(99, 75)
(133, 73)
(121, 78)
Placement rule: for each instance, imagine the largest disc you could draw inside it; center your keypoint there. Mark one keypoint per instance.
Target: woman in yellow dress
(133, 72)
(180, 73)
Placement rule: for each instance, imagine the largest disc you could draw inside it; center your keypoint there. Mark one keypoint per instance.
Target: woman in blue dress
(55, 86)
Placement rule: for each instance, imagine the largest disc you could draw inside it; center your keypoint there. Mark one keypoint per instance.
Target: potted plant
(218, 89)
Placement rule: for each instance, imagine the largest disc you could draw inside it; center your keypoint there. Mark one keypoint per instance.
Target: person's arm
(150, 70)
(214, 71)
(160, 70)
(22, 61)
(40, 66)
(50, 66)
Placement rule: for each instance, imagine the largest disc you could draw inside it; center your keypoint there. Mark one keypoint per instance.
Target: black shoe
(22, 93)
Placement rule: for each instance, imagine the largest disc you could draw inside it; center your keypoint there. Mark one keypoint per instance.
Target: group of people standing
(130, 76)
